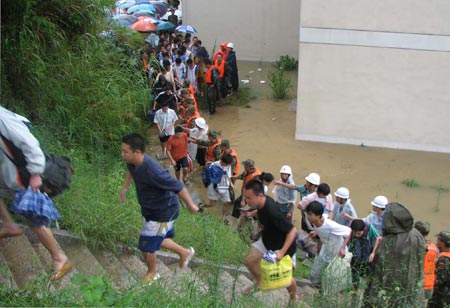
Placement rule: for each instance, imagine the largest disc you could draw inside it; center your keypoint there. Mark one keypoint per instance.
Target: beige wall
(392, 90)
(260, 29)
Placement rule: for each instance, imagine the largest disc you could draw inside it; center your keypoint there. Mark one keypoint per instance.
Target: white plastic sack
(337, 276)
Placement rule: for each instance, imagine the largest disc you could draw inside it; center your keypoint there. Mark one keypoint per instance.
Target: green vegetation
(410, 183)
(286, 63)
(279, 84)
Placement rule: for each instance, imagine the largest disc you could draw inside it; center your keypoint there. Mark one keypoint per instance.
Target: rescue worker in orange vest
(221, 87)
(249, 173)
(223, 49)
(226, 149)
(429, 264)
(213, 151)
(441, 291)
(212, 80)
(191, 114)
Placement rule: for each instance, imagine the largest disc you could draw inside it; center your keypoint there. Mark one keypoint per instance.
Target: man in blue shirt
(157, 193)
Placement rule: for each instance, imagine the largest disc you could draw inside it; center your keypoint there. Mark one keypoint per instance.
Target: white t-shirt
(332, 236)
(166, 120)
(199, 134)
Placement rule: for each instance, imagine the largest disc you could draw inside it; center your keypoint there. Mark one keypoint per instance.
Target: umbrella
(165, 26)
(124, 23)
(142, 14)
(143, 25)
(161, 7)
(148, 18)
(126, 18)
(124, 4)
(186, 29)
(147, 8)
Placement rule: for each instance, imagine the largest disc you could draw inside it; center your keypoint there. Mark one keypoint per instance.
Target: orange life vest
(193, 117)
(445, 254)
(236, 169)
(208, 76)
(210, 152)
(221, 68)
(248, 177)
(429, 266)
(191, 90)
(145, 64)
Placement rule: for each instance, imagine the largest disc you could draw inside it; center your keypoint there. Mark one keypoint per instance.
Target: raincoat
(398, 264)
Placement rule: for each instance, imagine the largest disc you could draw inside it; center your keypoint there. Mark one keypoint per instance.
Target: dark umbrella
(160, 7)
(126, 18)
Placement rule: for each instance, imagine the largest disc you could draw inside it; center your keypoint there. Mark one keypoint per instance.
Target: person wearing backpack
(19, 144)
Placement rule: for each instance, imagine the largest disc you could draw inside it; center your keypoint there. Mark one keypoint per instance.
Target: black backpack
(57, 174)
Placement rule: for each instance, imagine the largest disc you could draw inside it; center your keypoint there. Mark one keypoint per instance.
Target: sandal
(62, 271)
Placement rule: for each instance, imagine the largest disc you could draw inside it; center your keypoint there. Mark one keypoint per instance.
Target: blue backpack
(212, 174)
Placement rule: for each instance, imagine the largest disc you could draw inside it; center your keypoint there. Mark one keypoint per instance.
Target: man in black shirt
(278, 233)
(166, 97)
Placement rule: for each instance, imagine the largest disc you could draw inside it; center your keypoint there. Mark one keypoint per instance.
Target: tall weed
(279, 84)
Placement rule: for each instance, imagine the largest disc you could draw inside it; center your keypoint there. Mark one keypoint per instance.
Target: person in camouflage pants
(441, 291)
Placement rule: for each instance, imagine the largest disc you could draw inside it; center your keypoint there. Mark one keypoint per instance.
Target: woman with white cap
(285, 197)
(199, 132)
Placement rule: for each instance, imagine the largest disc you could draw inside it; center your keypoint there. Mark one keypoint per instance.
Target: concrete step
(80, 255)
(187, 277)
(47, 262)
(22, 260)
(6, 277)
(121, 277)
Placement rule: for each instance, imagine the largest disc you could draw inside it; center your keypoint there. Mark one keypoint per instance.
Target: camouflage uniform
(441, 291)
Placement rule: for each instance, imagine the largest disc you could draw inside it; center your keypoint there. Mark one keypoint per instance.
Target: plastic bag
(337, 275)
(276, 275)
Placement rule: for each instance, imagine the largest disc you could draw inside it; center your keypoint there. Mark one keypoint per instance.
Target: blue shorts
(182, 163)
(153, 234)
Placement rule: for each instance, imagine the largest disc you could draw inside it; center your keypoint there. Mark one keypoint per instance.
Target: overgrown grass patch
(410, 183)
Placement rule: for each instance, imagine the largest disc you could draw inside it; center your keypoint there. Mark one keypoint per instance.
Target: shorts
(259, 245)
(153, 234)
(163, 138)
(218, 194)
(182, 163)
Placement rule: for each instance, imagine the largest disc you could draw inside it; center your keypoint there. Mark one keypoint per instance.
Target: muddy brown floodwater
(265, 133)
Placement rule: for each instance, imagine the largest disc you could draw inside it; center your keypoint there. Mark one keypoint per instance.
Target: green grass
(410, 183)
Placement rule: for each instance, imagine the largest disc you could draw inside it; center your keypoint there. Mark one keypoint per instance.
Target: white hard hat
(286, 169)
(380, 202)
(230, 45)
(313, 178)
(342, 192)
(200, 122)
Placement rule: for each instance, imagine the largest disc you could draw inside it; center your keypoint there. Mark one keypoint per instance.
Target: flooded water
(265, 133)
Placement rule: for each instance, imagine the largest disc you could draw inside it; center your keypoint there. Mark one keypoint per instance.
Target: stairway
(21, 266)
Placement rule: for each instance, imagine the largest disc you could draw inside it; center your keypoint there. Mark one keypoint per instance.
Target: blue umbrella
(165, 26)
(147, 8)
(124, 4)
(186, 29)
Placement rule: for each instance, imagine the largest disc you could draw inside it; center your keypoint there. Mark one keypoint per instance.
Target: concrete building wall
(376, 74)
(260, 29)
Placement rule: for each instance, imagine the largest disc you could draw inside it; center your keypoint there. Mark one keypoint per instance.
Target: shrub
(279, 84)
(286, 63)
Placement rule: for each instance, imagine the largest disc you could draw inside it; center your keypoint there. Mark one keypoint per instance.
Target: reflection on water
(265, 133)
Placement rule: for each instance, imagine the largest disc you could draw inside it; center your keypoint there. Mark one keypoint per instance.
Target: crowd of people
(389, 251)
(329, 229)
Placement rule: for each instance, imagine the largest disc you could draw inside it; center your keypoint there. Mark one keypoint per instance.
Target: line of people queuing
(182, 61)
